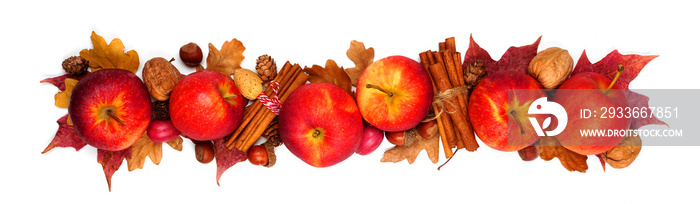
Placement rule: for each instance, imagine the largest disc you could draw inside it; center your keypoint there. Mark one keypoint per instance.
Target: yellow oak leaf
(361, 57)
(226, 60)
(111, 56)
(332, 74)
(410, 153)
(62, 98)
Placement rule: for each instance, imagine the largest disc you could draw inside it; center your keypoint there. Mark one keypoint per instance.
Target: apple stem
(370, 86)
(111, 115)
(520, 125)
(620, 68)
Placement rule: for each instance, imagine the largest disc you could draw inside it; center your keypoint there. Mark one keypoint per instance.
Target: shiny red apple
(394, 93)
(206, 105)
(494, 116)
(110, 109)
(320, 124)
(591, 91)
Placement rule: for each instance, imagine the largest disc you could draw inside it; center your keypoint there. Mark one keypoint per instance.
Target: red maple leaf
(225, 157)
(633, 64)
(111, 161)
(514, 59)
(66, 136)
(60, 81)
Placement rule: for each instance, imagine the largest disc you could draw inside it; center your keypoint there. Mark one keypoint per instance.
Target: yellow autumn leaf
(361, 57)
(63, 97)
(226, 60)
(111, 56)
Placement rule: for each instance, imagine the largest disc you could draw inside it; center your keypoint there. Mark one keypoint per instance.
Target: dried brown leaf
(361, 57)
(228, 59)
(572, 161)
(331, 74)
(111, 56)
(410, 153)
(176, 143)
(143, 148)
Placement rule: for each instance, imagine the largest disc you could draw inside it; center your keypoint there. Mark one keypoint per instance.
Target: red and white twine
(272, 103)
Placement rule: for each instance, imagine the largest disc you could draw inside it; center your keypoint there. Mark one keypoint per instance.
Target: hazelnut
(160, 77)
(427, 129)
(257, 155)
(204, 151)
(191, 54)
(551, 67)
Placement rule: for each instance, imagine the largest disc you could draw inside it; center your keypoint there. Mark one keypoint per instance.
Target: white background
(37, 36)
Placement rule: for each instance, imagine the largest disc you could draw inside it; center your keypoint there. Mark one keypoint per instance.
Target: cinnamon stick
(256, 108)
(437, 58)
(459, 119)
(269, 116)
(454, 76)
(447, 147)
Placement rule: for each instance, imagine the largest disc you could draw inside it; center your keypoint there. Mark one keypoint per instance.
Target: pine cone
(160, 110)
(272, 134)
(474, 73)
(266, 68)
(75, 65)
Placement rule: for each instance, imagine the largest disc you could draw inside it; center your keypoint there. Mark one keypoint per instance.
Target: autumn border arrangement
(454, 77)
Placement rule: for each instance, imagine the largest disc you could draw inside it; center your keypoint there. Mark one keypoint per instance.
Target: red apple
(371, 139)
(206, 105)
(162, 131)
(110, 109)
(494, 116)
(394, 93)
(321, 124)
(571, 96)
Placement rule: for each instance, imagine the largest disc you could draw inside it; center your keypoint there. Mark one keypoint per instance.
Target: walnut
(160, 77)
(624, 153)
(551, 67)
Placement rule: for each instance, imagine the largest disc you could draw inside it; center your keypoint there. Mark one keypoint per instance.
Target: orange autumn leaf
(572, 161)
(331, 74)
(62, 98)
(145, 147)
(399, 153)
(361, 57)
(226, 60)
(111, 56)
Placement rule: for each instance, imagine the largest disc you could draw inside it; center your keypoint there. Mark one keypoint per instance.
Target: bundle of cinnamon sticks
(257, 117)
(446, 72)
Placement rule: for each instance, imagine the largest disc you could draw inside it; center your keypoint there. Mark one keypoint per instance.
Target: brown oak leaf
(66, 136)
(331, 74)
(111, 161)
(62, 98)
(145, 147)
(176, 143)
(410, 153)
(361, 57)
(142, 148)
(226, 60)
(225, 157)
(111, 56)
(572, 161)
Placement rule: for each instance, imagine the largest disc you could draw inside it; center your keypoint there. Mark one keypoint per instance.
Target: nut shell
(160, 76)
(624, 153)
(551, 67)
(248, 82)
